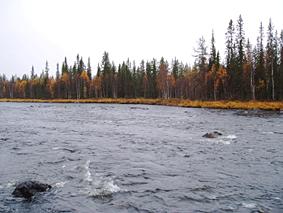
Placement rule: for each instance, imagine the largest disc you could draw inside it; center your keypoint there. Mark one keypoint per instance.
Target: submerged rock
(142, 108)
(28, 189)
(213, 134)
(258, 113)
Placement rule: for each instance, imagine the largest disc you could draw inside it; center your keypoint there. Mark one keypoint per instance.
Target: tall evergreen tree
(106, 75)
(230, 56)
(239, 90)
(64, 66)
(202, 65)
(281, 66)
(89, 68)
(32, 75)
(213, 54)
(260, 73)
(153, 84)
(270, 57)
(276, 66)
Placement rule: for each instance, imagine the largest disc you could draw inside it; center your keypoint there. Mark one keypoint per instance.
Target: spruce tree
(260, 73)
(270, 57)
(281, 67)
(213, 54)
(89, 69)
(240, 45)
(230, 56)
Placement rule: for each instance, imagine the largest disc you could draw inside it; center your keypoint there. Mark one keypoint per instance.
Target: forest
(245, 72)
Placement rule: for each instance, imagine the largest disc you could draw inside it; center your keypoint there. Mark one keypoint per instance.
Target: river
(140, 158)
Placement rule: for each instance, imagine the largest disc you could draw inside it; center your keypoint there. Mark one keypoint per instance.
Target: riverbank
(247, 105)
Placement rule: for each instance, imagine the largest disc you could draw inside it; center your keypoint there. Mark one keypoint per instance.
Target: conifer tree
(89, 68)
(213, 54)
(260, 73)
(270, 58)
(238, 87)
(281, 67)
(230, 56)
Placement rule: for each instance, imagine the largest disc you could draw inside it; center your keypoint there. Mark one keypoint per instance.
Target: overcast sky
(33, 31)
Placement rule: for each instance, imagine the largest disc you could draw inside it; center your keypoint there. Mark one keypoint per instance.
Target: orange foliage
(84, 76)
(51, 86)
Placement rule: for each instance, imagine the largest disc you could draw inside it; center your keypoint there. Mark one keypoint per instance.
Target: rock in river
(213, 134)
(28, 189)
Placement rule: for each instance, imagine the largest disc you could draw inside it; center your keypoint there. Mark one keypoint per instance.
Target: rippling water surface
(136, 158)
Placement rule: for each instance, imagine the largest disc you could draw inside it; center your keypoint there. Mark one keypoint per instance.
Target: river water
(138, 158)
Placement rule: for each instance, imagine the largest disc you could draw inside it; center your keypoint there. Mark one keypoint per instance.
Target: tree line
(246, 72)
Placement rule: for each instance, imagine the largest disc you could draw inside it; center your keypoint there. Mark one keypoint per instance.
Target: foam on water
(60, 184)
(270, 133)
(99, 186)
(56, 148)
(103, 188)
(111, 187)
(249, 205)
(10, 184)
(226, 142)
(88, 174)
(231, 137)
(226, 139)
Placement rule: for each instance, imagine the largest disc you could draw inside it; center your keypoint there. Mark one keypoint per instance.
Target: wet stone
(28, 189)
(213, 134)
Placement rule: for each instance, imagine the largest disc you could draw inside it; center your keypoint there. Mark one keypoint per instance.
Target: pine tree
(281, 67)
(260, 73)
(175, 68)
(147, 81)
(58, 83)
(46, 93)
(140, 79)
(213, 67)
(202, 66)
(98, 73)
(176, 74)
(238, 87)
(32, 73)
(153, 82)
(89, 68)
(270, 57)
(113, 81)
(106, 75)
(46, 70)
(249, 72)
(134, 80)
(230, 56)
(162, 79)
(213, 54)
(64, 66)
(276, 66)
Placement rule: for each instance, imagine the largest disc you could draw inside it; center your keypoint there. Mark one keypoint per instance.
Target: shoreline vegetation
(244, 105)
(253, 73)
(245, 72)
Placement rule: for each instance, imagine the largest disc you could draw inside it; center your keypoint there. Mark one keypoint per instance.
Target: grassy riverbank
(264, 105)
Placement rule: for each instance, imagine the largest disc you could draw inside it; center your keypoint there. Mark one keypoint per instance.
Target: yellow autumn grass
(264, 105)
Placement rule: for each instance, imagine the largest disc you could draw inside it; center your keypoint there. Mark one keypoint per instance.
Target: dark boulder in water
(28, 189)
(213, 134)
